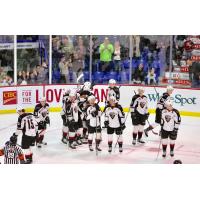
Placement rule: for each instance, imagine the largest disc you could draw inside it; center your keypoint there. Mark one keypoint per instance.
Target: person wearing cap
(139, 115)
(170, 122)
(12, 152)
(106, 51)
(27, 125)
(93, 117)
(41, 113)
(160, 106)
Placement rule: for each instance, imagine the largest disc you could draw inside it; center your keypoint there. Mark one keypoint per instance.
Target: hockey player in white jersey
(139, 114)
(170, 121)
(160, 106)
(93, 117)
(41, 113)
(26, 125)
(65, 129)
(72, 117)
(114, 122)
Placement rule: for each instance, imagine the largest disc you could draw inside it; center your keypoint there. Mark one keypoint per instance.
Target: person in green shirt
(106, 50)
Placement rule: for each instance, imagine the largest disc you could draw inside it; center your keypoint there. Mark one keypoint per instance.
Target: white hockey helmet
(91, 98)
(42, 99)
(170, 88)
(87, 84)
(112, 81)
(140, 89)
(169, 103)
(72, 93)
(67, 91)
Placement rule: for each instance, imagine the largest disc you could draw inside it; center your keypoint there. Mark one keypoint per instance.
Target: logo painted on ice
(178, 99)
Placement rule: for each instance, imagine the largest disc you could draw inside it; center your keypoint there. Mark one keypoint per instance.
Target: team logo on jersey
(9, 97)
(167, 118)
(112, 115)
(142, 104)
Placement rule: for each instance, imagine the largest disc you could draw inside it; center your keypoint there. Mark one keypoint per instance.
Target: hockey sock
(120, 144)
(134, 136)
(110, 143)
(84, 132)
(164, 147)
(65, 134)
(90, 142)
(41, 137)
(172, 147)
(140, 135)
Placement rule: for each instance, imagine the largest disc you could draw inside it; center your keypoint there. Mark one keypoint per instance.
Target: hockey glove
(106, 123)
(175, 131)
(47, 120)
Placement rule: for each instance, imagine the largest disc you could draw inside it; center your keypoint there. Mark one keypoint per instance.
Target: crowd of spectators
(69, 57)
(37, 75)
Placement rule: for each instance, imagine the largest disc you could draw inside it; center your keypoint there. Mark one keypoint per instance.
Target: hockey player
(41, 113)
(160, 106)
(139, 114)
(26, 125)
(114, 122)
(65, 130)
(87, 88)
(72, 116)
(12, 152)
(82, 104)
(93, 117)
(170, 121)
(113, 90)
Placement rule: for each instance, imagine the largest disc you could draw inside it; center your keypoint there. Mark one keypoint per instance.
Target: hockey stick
(155, 133)
(96, 138)
(158, 149)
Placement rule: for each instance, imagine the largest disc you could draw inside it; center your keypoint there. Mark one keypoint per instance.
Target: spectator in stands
(67, 47)
(117, 56)
(77, 66)
(136, 45)
(80, 49)
(2, 74)
(151, 77)
(196, 74)
(139, 74)
(106, 50)
(42, 77)
(64, 69)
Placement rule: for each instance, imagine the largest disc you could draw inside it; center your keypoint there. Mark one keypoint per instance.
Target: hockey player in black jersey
(12, 152)
(160, 106)
(27, 125)
(170, 121)
(72, 116)
(65, 129)
(93, 117)
(82, 104)
(139, 114)
(113, 90)
(114, 122)
(41, 113)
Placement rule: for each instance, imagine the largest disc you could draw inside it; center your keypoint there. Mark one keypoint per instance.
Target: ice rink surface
(187, 146)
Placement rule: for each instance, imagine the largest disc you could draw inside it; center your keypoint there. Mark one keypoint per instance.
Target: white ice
(187, 146)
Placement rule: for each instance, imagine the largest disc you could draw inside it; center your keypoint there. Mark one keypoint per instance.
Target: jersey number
(30, 124)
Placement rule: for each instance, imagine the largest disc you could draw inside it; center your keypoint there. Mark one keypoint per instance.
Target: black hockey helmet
(177, 162)
(13, 140)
